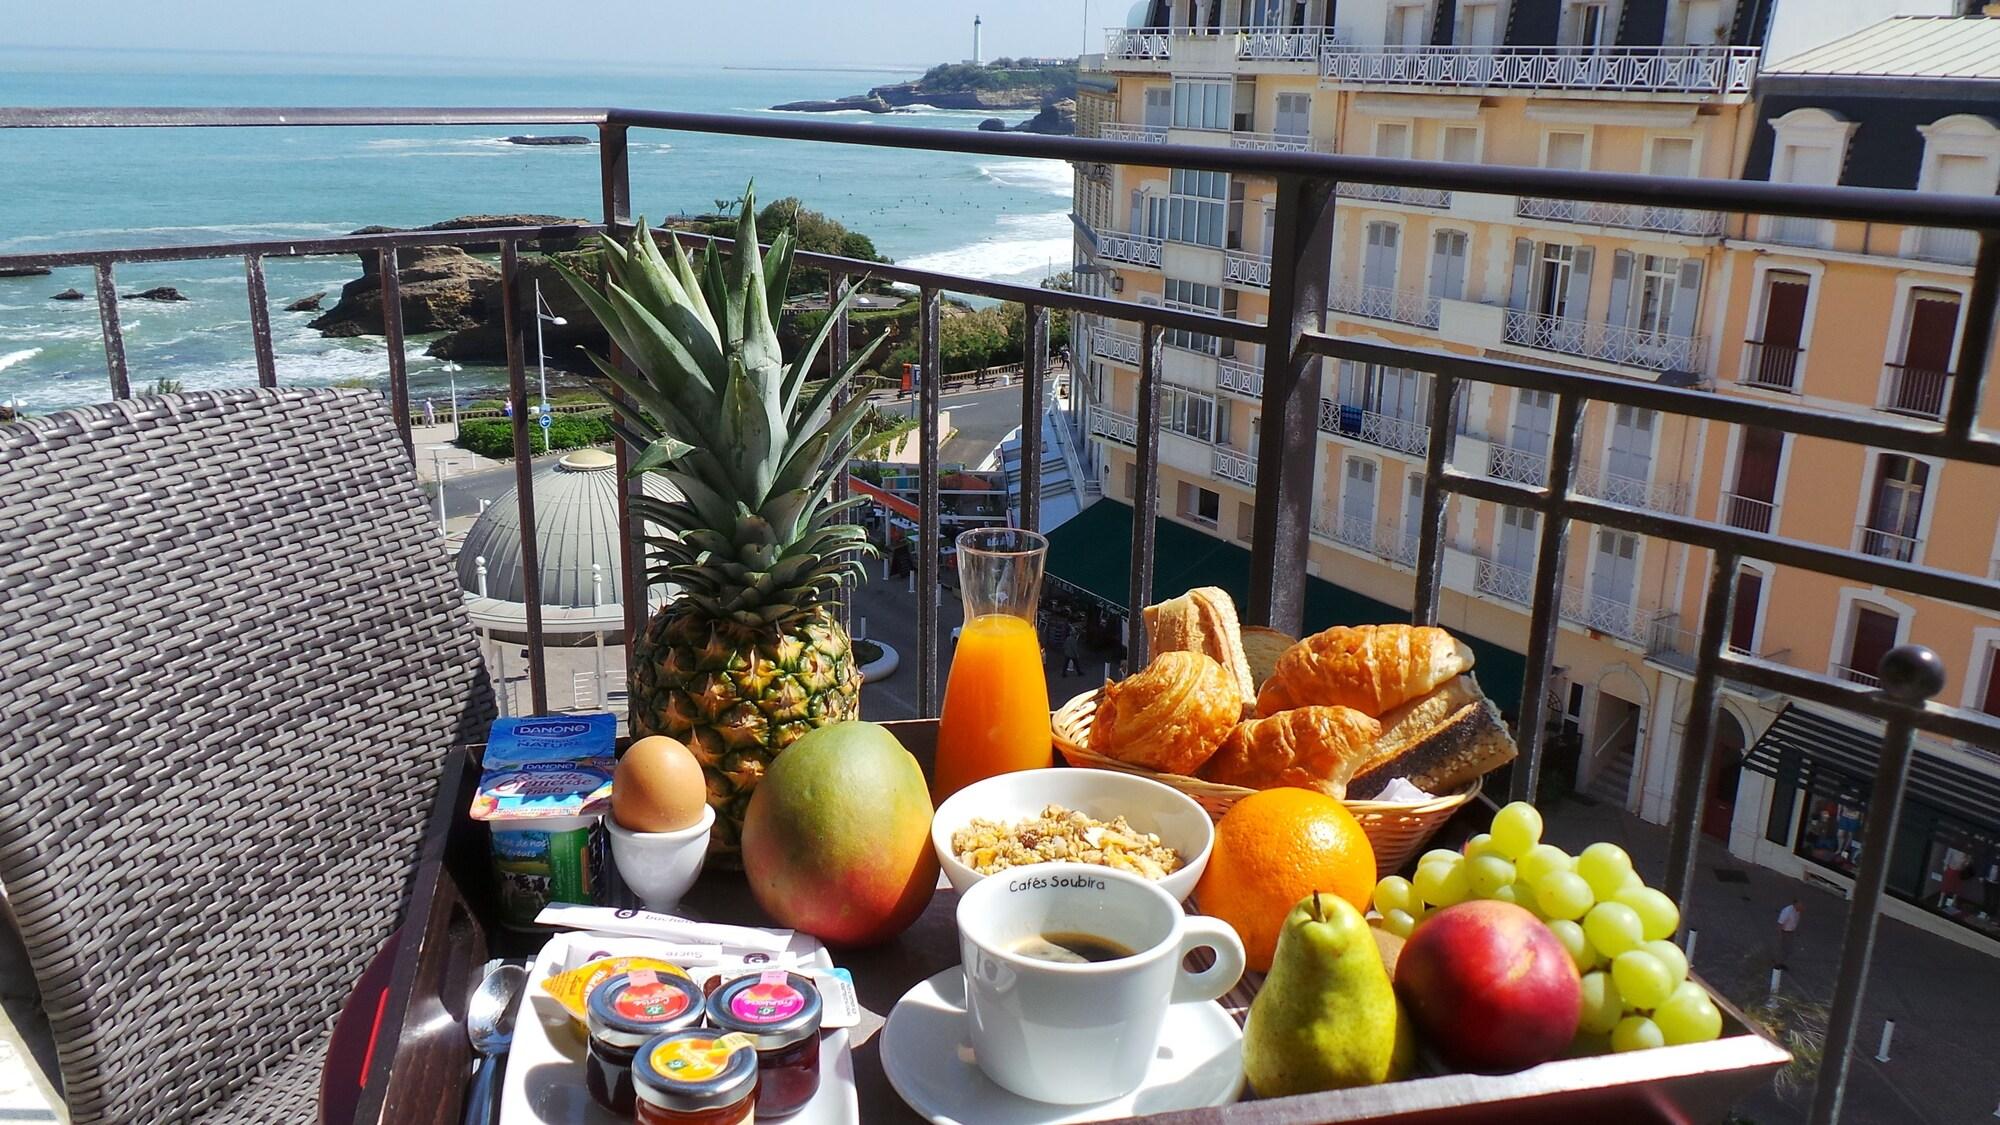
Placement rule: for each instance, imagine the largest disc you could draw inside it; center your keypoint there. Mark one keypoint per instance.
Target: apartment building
(1653, 293)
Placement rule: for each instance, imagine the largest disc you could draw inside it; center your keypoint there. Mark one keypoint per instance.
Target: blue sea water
(77, 188)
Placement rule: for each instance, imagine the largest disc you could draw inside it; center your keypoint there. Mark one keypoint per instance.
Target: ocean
(62, 189)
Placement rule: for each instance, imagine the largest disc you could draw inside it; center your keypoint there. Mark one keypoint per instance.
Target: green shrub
(494, 437)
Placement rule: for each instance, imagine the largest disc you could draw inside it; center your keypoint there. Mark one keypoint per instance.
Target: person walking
(430, 413)
(1072, 649)
(1788, 925)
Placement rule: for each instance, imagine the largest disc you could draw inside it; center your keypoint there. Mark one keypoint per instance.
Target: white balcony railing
(1137, 43)
(1953, 247)
(1856, 675)
(1121, 428)
(1144, 134)
(1521, 466)
(1277, 142)
(1747, 512)
(1403, 306)
(1636, 70)
(1390, 193)
(1625, 216)
(1611, 343)
(1670, 497)
(1797, 230)
(1241, 267)
(1914, 390)
(1384, 542)
(1405, 435)
(1504, 582)
(1771, 366)
(1231, 465)
(1120, 346)
(1238, 377)
(1135, 249)
(1253, 44)
(1579, 606)
(1888, 544)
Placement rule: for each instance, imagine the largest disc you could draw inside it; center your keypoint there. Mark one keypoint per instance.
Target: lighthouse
(978, 59)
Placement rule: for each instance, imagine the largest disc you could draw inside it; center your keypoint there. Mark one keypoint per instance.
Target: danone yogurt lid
(544, 790)
(776, 1007)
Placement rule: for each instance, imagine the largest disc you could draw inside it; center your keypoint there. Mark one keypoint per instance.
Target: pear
(1327, 1016)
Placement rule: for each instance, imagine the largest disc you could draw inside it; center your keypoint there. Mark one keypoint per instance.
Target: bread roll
(1371, 668)
(1439, 743)
(1308, 747)
(1263, 648)
(1170, 717)
(1202, 620)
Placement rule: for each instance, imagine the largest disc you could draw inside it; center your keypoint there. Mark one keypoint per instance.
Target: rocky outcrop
(444, 288)
(1057, 119)
(560, 139)
(68, 295)
(956, 87)
(307, 304)
(868, 103)
(157, 293)
(485, 341)
(24, 271)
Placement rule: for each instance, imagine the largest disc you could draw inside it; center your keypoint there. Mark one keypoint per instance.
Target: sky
(623, 32)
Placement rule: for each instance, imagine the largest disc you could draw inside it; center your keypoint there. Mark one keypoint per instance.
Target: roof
(1955, 47)
(576, 530)
(1092, 554)
(1847, 758)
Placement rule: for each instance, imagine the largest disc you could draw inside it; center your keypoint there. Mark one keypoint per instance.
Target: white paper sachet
(663, 927)
(1399, 790)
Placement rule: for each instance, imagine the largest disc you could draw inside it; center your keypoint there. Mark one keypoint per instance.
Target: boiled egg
(658, 787)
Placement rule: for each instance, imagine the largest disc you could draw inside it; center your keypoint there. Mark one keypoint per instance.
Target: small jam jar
(780, 1012)
(696, 1077)
(623, 1013)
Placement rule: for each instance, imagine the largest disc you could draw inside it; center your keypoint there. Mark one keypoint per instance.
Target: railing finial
(1911, 674)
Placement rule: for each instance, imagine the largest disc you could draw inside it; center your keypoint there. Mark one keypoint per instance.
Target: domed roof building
(577, 544)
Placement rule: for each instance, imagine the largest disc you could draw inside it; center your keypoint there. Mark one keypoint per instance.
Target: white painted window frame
(1760, 295)
(1588, 134)
(1933, 481)
(1872, 597)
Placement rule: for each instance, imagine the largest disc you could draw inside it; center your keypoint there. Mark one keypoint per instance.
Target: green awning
(1091, 553)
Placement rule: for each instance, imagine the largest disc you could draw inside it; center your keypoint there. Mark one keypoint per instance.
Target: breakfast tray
(1397, 830)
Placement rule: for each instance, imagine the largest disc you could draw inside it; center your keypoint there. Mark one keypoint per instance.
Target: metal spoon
(489, 1023)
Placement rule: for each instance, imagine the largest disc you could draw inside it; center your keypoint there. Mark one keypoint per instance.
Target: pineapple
(748, 656)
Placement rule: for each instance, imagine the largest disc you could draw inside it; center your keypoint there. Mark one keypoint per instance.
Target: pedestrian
(1788, 925)
(1072, 650)
(430, 413)
(1057, 634)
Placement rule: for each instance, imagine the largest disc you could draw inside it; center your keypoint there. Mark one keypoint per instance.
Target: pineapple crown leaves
(751, 445)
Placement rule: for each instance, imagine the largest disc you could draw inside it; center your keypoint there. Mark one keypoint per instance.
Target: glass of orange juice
(996, 703)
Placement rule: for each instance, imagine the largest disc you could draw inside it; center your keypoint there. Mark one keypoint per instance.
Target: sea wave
(9, 359)
(1051, 176)
(1029, 248)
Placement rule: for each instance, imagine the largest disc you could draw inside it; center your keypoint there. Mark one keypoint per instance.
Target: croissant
(1202, 620)
(1169, 717)
(1371, 668)
(1308, 747)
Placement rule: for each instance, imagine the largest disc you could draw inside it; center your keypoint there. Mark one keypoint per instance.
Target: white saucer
(927, 1053)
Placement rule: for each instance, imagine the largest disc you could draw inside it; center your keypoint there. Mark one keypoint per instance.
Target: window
(1614, 573)
(1655, 296)
(1196, 207)
(1589, 25)
(1244, 119)
(1534, 417)
(1461, 143)
(1657, 277)
(1702, 22)
(1753, 502)
(1203, 103)
(1294, 115)
(1672, 156)
(1357, 503)
(1916, 384)
(1518, 529)
(1199, 504)
(1479, 24)
(1871, 633)
(1159, 106)
(1378, 266)
(1550, 280)
(1395, 392)
(1406, 26)
(1810, 148)
(1836, 812)
(1224, 430)
(1246, 521)
(1743, 619)
(1631, 454)
(1187, 412)
(1413, 516)
(1565, 150)
(1449, 249)
(1772, 359)
(1190, 296)
(1896, 509)
(1392, 138)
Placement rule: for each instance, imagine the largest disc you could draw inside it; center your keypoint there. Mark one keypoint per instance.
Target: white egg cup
(659, 867)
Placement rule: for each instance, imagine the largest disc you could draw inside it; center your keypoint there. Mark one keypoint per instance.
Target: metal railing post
(1034, 377)
(614, 182)
(839, 351)
(930, 535)
(1145, 495)
(1287, 461)
(524, 472)
(1437, 459)
(1551, 557)
(1691, 780)
(260, 320)
(1910, 675)
(114, 336)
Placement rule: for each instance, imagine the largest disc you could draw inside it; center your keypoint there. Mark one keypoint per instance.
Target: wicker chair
(231, 661)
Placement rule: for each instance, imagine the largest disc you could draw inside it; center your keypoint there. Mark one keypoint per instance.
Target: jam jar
(696, 1077)
(780, 1012)
(624, 1012)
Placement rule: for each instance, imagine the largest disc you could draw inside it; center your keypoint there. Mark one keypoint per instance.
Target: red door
(1919, 384)
(1784, 331)
(1743, 621)
(1725, 770)
(1874, 636)
(1756, 480)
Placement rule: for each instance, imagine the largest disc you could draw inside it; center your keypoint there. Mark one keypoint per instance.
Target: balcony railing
(1774, 367)
(1137, 43)
(1856, 675)
(1504, 582)
(1624, 216)
(1521, 466)
(1797, 230)
(1106, 343)
(1952, 247)
(1228, 464)
(1135, 249)
(1389, 544)
(1625, 70)
(1240, 378)
(1253, 44)
(1658, 496)
(1389, 193)
(1243, 268)
(1747, 512)
(1108, 423)
(1605, 615)
(1277, 593)
(1914, 390)
(1404, 435)
(1669, 643)
(1611, 343)
(1142, 134)
(1403, 306)
(1885, 544)
(1276, 142)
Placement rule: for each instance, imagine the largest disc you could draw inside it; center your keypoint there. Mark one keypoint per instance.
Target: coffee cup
(1084, 1027)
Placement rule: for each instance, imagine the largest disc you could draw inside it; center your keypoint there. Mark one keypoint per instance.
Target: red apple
(1489, 987)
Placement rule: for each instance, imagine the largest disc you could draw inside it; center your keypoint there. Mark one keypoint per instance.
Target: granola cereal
(1058, 833)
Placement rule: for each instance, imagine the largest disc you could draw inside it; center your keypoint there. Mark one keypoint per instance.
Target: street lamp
(544, 313)
(438, 469)
(451, 371)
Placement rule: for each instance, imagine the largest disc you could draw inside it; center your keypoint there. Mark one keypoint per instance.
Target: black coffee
(1070, 948)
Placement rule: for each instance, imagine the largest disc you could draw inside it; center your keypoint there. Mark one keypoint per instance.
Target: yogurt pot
(546, 784)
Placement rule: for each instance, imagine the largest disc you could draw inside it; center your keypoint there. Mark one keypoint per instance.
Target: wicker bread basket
(1397, 830)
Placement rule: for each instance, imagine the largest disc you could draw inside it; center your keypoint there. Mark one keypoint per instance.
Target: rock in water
(157, 293)
(24, 271)
(68, 295)
(307, 304)
(561, 139)
(992, 125)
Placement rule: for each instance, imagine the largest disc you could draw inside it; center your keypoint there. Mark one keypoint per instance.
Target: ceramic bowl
(1146, 805)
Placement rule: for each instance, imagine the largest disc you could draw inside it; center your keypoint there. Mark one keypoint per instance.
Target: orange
(1274, 848)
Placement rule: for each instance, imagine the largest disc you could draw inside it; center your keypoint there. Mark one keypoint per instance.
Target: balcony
(1709, 71)
(1520, 466)
(1670, 497)
(1747, 512)
(1623, 216)
(1132, 249)
(1404, 435)
(1120, 346)
(1609, 343)
(1595, 612)
(1387, 543)
(1884, 544)
(1137, 43)
(1773, 367)
(1228, 464)
(1668, 643)
(1250, 44)
(1856, 675)
(1916, 391)
(1245, 269)
(1796, 230)
(1389, 193)
(1509, 584)
(1111, 425)
(1141, 134)
(1277, 142)
(1400, 306)
(1946, 246)
(1239, 378)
